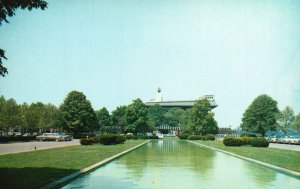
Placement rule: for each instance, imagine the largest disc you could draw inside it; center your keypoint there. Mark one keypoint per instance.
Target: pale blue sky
(116, 51)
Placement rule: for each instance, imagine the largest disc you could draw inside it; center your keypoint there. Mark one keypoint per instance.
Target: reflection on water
(179, 164)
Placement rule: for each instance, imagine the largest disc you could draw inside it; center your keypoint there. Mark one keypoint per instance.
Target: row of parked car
(284, 139)
(54, 137)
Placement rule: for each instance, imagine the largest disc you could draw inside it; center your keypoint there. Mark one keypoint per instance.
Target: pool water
(177, 164)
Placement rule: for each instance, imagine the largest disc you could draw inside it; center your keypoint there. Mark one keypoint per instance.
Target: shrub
(94, 140)
(259, 142)
(211, 137)
(183, 136)
(248, 135)
(86, 141)
(108, 139)
(194, 137)
(208, 137)
(245, 140)
(153, 137)
(142, 137)
(129, 137)
(232, 141)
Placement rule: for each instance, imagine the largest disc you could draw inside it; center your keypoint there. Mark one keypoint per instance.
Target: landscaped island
(35, 169)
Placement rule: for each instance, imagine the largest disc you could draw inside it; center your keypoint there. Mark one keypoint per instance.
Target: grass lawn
(282, 158)
(35, 169)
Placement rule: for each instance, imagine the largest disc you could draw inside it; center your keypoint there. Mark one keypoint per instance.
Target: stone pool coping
(63, 180)
(288, 171)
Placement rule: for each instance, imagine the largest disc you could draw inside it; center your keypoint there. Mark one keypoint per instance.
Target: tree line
(76, 115)
(263, 115)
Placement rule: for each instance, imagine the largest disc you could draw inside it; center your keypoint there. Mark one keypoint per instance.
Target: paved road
(16, 147)
(285, 146)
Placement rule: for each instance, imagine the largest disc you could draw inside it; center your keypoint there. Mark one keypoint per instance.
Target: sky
(116, 51)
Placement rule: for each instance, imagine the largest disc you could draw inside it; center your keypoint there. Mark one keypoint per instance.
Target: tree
(201, 120)
(174, 117)
(156, 115)
(261, 115)
(7, 9)
(78, 113)
(103, 117)
(296, 124)
(136, 117)
(118, 116)
(10, 113)
(285, 119)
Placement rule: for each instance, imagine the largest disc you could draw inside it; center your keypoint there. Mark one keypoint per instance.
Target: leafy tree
(174, 117)
(201, 120)
(296, 124)
(156, 115)
(78, 113)
(285, 119)
(118, 116)
(261, 115)
(10, 113)
(136, 117)
(7, 9)
(103, 117)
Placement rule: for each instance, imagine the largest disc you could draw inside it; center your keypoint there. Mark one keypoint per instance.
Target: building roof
(179, 104)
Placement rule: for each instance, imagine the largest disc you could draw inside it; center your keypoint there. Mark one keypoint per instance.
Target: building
(184, 104)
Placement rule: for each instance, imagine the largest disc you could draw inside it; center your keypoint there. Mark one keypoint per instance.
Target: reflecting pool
(177, 164)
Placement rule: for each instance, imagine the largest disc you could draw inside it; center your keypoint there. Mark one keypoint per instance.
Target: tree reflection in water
(169, 154)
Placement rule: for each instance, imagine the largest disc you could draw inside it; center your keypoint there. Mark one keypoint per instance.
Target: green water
(178, 164)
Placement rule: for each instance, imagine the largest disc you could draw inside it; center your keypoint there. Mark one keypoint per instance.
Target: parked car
(66, 137)
(286, 140)
(295, 140)
(280, 140)
(50, 137)
(273, 139)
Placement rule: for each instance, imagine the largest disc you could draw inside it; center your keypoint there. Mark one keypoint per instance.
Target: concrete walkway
(285, 146)
(16, 147)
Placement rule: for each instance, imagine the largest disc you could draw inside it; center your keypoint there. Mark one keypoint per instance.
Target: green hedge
(142, 137)
(208, 137)
(153, 137)
(248, 135)
(259, 142)
(194, 137)
(232, 141)
(255, 142)
(108, 139)
(183, 136)
(86, 141)
(245, 140)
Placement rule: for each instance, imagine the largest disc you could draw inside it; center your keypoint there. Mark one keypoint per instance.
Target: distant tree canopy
(118, 116)
(7, 9)
(103, 117)
(285, 119)
(78, 113)
(156, 116)
(296, 124)
(30, 118)
(261, 115)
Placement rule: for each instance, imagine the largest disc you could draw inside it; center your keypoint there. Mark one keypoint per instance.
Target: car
(50, 137)
(286, 140)
(66, 137)
(295, 140)
(280, 140)
(273, 139)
